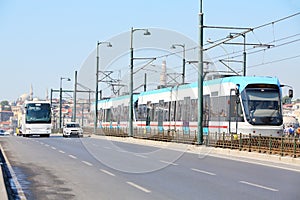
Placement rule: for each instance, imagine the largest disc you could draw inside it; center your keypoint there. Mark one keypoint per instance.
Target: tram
(236, 104)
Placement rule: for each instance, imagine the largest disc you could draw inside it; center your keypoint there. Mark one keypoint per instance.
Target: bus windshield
(262, 106)
(38, 113)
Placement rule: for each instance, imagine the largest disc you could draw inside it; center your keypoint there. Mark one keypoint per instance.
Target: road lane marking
(169, 163)
(71, 156)
(53, 148)
(87, 163)
(107, 172)
(203, 172)
(106, 147)
(259, 186)
(139, 155)
(60, 151)
(122, 151)
(138, 187)
(47, 145)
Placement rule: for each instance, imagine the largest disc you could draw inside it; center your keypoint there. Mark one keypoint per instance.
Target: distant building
(6, 115)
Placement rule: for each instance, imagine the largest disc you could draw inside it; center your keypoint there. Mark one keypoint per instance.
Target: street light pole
(74, 98)
(97, 85)
(200, 78)
(183, 59)
(60, 98)
(146, 32)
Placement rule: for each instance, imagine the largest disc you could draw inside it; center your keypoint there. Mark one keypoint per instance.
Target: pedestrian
(291, 130)
(298, 132)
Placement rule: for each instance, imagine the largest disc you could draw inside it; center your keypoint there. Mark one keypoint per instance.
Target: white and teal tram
(235, 104)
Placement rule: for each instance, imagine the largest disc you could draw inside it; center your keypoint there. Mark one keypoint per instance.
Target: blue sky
(43, 40)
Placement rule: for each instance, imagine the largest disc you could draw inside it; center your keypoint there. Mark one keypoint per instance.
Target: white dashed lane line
(60, 151)
(71, 156)
(138, 187)
(107, 172)
(203, 172)
(87, 163)
(140, 155)
(53, 148)
(259, 186)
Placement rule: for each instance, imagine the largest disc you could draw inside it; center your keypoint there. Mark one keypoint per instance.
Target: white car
(4, 133)
(71, 129)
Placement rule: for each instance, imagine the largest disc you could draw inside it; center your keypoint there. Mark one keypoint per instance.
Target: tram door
(234, 110)
(160, 115)
(186, 113)
(205, 111)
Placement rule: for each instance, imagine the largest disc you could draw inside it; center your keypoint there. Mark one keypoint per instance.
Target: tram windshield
(38, 113)
(262, 106)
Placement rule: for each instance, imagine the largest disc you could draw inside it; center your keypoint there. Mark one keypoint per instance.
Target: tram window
(124, 114)
(179, 110)
(142, 112)
(186, 112)
(108, 115)
(155, 110)
(100, 114)
(112, 118)
(166, 111)
(236, 112)
(194, 110)
(219, 108)
(172, 110)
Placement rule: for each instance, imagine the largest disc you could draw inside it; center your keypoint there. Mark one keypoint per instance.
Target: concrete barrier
(3, 192)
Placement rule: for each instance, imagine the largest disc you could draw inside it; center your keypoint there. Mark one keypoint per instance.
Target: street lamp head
(173, 46)
(147, 32)
(179, 45)
(109, 44)
(64, 78)
(210, 41)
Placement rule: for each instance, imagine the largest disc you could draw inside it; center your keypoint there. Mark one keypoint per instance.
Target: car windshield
(72, 125)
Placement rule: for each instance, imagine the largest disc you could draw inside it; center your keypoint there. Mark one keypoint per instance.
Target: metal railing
(283, 146)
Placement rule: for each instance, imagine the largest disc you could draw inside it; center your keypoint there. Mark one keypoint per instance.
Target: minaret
(163, 81)
(31, 93)
(47, 97)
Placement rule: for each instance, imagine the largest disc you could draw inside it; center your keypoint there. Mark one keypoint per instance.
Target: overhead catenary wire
(233, 54)
(223, 40)
(275, 61)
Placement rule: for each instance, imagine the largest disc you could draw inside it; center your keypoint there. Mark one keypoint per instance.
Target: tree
(286, 100)
(5, 106)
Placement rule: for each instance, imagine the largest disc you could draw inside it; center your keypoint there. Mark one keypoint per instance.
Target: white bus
(36, 119)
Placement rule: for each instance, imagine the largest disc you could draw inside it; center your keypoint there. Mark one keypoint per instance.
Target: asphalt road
(97, 168)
